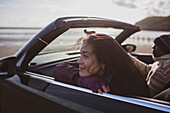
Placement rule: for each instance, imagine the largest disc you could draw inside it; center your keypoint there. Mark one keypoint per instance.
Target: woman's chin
(83, 74)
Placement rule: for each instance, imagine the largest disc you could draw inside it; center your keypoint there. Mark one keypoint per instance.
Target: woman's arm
(95, 83)
(69, 73)
(66, 72)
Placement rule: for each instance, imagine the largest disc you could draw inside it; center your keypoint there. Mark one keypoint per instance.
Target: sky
(39, 13)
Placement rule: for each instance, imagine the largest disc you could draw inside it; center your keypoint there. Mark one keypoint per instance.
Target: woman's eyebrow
(84, 51)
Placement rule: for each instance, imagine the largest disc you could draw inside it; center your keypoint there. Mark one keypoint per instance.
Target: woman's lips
(80, 68)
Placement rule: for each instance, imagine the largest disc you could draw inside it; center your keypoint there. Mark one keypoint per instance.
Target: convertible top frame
(59, 26)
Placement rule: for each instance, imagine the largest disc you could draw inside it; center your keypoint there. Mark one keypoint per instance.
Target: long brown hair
(126, 80)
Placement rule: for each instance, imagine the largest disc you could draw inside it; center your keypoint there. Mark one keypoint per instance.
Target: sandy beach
(9, 47)
(8, 51)
(12, 40)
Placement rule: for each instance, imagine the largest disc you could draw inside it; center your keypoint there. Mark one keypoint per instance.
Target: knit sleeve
(159, 78)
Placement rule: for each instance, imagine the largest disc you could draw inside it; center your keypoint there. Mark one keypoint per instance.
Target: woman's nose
(79, 60)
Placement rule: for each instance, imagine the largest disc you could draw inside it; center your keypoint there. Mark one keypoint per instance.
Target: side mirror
(129, 47)
(7, 67)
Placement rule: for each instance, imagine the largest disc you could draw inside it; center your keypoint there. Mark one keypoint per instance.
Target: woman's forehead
(86, 48)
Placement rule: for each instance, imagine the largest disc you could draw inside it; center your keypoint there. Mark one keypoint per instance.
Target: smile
(80, 69)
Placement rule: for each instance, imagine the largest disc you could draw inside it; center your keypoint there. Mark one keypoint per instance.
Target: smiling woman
(100, 65)
(88, 64)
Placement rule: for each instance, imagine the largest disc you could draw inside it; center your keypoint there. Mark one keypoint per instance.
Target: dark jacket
(69, 73)
(66, 72)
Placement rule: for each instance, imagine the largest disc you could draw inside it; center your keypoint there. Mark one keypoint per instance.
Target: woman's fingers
(106, 89)
(100, 91)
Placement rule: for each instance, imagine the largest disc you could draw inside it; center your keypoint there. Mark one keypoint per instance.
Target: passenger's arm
(141, 66)
(159, 78)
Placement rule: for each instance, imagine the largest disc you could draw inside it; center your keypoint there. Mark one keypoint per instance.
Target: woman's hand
(96, 84)
(105, 88)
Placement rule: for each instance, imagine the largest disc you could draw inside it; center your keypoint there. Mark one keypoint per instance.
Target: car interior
(40, 68)
(45, 67)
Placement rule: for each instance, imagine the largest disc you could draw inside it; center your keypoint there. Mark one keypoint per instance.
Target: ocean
(12, 39)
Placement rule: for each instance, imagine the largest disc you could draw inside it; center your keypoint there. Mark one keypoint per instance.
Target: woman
(104, 65)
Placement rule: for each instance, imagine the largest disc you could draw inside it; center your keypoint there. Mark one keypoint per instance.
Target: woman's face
(88, 64)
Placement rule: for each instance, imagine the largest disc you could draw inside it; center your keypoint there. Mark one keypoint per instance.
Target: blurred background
(20, 20)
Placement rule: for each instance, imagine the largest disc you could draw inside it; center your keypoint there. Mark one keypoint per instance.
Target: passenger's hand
(96, 84)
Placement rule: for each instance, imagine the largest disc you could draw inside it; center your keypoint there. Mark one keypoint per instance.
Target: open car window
(64, 47)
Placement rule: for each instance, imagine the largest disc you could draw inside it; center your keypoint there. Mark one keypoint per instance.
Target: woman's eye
(85, 56)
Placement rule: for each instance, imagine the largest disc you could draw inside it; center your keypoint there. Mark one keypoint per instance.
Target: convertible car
(27, 84)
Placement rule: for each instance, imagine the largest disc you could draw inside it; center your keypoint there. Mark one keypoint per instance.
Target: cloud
(151, 7)
(160, 8)
(125, 3)
(31, 12)
(40, 12)
(1, 6)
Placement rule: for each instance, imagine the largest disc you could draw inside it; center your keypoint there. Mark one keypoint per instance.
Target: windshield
(64, 45)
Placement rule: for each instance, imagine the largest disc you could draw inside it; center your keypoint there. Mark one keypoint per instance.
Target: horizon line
(21, 27)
